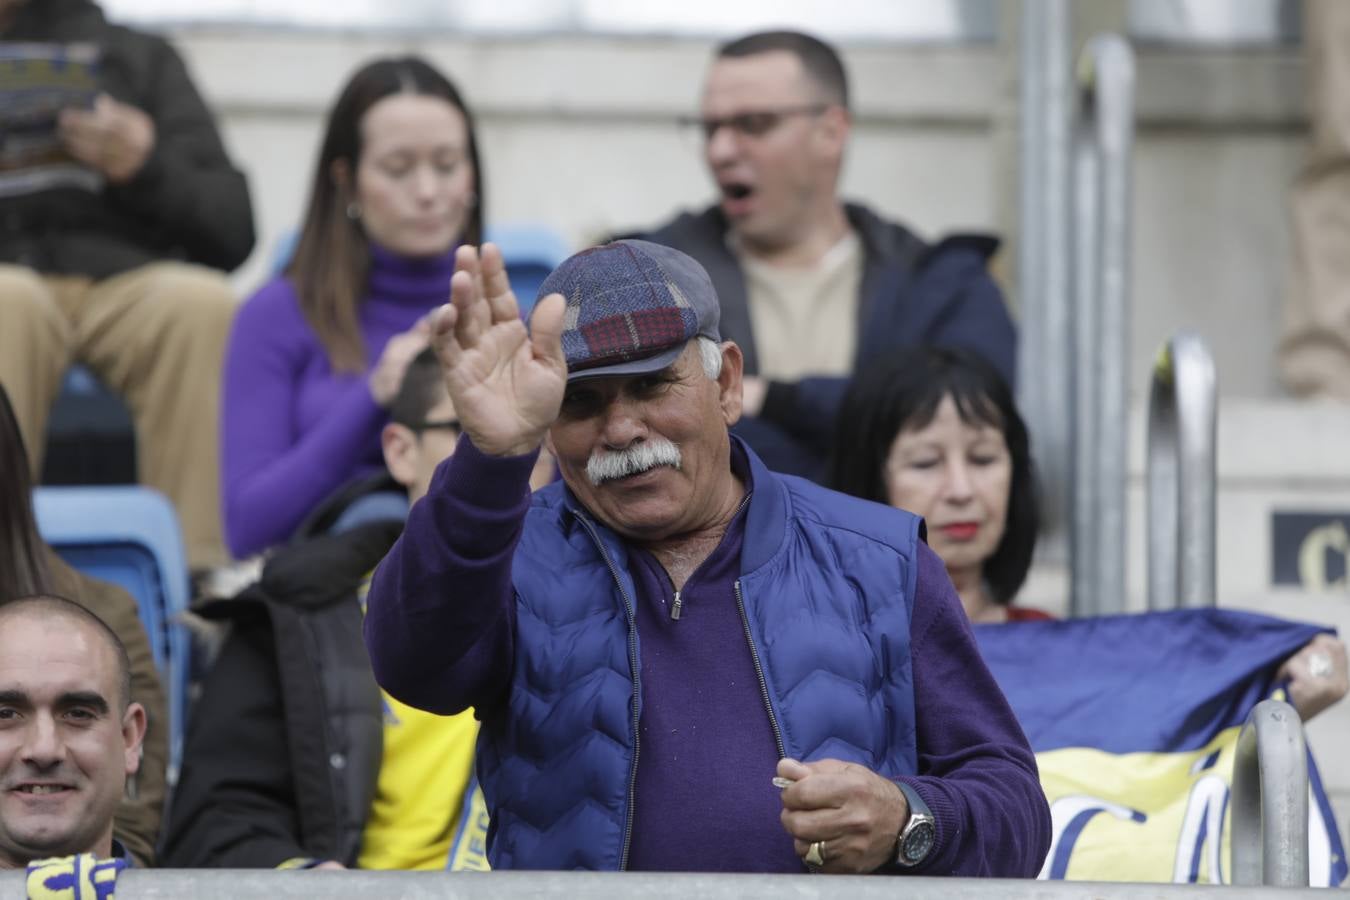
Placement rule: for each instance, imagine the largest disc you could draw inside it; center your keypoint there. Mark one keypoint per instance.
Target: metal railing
(1182, 424)
(1270, 799)
(1102, 152)
(228, 884)
(1043, 264)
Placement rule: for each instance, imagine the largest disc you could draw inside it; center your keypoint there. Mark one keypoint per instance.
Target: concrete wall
(578, 132)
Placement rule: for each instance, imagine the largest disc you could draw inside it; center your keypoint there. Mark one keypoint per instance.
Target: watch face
(917, 843)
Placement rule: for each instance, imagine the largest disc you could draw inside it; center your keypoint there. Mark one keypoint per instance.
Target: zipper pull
(675, 607)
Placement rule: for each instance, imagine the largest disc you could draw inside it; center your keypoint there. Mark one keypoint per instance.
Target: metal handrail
(227, 884)
(1102, 151)
(1270, 799)
(1182, 427)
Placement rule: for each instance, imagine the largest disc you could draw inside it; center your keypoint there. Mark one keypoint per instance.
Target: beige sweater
(805, 317)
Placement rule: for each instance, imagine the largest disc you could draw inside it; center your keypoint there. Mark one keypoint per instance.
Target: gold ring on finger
(815, 854)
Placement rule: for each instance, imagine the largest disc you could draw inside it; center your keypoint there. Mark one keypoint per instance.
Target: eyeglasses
(755, 123)
(434, 424)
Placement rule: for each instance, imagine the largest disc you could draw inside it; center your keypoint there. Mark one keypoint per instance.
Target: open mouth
(737, 191)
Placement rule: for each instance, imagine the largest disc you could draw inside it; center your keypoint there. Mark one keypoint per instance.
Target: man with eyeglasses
(295, 758)
(812, 287)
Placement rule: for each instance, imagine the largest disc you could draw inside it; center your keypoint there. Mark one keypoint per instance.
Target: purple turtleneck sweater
(293, 430)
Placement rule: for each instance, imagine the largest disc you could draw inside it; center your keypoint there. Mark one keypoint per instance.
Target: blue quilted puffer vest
(827, 585)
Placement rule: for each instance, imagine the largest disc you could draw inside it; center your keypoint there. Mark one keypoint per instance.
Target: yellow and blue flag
(1134, 720)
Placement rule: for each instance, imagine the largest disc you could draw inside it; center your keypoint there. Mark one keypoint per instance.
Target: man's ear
(401, 452)
(730, 382)
(835, 123)
(133, 734)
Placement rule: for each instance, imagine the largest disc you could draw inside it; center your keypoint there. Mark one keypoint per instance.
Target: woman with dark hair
(316, 356)
(28, 567)
(936, 432)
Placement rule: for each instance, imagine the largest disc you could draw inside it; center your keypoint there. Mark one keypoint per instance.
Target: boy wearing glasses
(812, 287)
(295, 758)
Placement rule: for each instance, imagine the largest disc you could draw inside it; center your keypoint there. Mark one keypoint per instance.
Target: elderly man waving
(682, 660)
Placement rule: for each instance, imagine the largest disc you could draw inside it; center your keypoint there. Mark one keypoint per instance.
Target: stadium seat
(129, 535)
(531, 252)
(90, 437)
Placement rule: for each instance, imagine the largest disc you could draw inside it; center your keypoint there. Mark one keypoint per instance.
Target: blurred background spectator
(935, 431)
(812, 287)
(1315, 352)
(316, 356)
(119, 272)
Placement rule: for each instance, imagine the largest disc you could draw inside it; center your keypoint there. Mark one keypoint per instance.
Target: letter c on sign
(1312, 556)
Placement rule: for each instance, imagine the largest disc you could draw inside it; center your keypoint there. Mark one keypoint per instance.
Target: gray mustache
(634, 460)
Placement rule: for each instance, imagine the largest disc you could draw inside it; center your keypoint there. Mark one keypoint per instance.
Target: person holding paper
(122, 270)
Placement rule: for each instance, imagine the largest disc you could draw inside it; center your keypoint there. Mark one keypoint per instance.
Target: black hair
(422, 388)
(51, 605)
(819, 60)
(903, 391)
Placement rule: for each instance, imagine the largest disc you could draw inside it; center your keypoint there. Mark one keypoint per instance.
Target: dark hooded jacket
(187, 203)
(913, 293)
(283, 752)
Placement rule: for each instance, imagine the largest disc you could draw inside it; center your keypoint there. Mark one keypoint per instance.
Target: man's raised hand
(506, 382)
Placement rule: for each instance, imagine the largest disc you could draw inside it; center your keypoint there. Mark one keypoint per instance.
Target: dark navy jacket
(913, 293)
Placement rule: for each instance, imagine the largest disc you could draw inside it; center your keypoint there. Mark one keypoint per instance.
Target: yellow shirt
(420, 808)
(428, 812)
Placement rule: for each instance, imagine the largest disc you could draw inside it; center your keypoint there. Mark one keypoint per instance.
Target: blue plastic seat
(129, 535)
(531, 252)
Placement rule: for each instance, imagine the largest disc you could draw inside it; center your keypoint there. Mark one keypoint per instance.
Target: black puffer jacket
(284, 748)
(188, 202)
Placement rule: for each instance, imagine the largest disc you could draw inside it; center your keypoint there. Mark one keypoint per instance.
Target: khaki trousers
(155, 335)
(1314, 354)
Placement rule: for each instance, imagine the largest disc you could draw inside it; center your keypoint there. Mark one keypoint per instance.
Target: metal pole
(1270, 799)
(1085, 538)
(1113, 61)
(1044, 358)
(1182, 464)
(1103, 149)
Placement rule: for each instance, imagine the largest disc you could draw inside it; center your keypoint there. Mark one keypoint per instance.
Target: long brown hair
(332, 258)
(22, 569)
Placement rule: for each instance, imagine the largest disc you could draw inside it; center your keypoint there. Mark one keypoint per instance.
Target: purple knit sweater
(292, 429)
(703, 798)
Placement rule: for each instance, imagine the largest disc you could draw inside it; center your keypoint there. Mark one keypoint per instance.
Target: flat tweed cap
(632, 306)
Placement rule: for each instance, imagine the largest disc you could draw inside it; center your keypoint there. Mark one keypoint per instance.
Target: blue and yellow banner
(1135, 720)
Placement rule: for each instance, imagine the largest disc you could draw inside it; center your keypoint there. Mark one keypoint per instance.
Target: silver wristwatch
(917, 834)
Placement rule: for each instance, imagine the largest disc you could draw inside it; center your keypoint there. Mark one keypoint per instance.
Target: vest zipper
(759, 671)
(637, 689)
(675, 607)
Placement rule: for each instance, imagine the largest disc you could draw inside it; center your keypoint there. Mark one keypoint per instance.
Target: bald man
(70, 735)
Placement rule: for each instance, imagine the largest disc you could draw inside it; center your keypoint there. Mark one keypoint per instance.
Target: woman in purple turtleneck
(317, 355)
